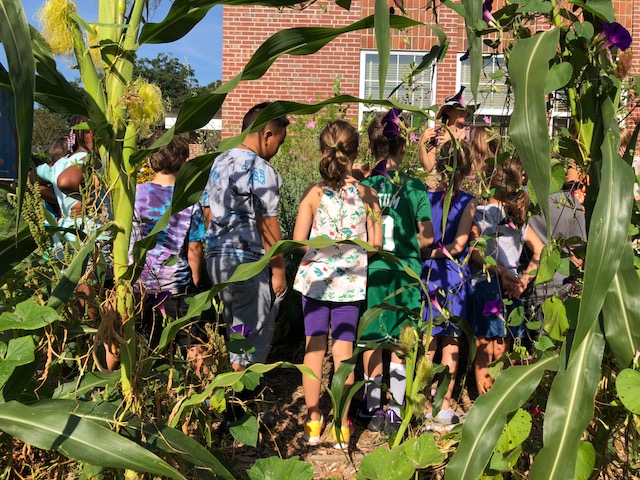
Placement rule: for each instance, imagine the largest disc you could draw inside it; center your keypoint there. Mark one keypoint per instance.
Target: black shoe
(267, 421)
(373, 420)
(392, 422)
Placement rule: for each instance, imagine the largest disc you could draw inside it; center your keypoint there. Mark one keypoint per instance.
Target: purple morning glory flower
(241, 329)
(433, 297)
(494, 307)
(615, 35)
(391, 122)
(486, 12)
(380, 169)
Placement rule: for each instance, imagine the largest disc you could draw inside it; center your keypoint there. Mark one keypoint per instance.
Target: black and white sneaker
(373, 420)
(392, 422)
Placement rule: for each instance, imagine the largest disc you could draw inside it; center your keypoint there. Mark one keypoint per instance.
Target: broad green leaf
(456, 7)
(28, 315)
(488, 416)
(569, 409)
(103, 413)
(628, 387)
(600, 8)
(556, 323)
(275, 468)
(528, 69)
(245, 430)
(559, 75)
(15, 38)
(383, 464)
(608, 227)
(422, 451)
(80, 439)
(84, 384)
(586, 461)
(383, 41)
(14, 249)
(621, 310)
(515, 432)
(20, 351)
(158, 437)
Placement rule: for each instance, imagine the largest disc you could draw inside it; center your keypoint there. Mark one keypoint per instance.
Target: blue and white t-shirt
(241, 185)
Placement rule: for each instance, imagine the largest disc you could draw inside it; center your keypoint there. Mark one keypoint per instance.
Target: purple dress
(448, 282)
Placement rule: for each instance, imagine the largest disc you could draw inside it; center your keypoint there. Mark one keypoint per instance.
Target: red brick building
(353, 58)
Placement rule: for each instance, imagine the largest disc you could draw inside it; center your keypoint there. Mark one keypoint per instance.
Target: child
(241, 207)
(407, 229)
(164, 284)
(333, 280)
(446, 271)
(57, 150)
(502, 221)
(484, 144)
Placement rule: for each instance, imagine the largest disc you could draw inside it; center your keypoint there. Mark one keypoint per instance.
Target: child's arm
(425, 236)
(533, 243)
(428, 149)
(194, 257)
(270, 233)
(305, 216)
(374, 216)
(462, 234)
(70, 179)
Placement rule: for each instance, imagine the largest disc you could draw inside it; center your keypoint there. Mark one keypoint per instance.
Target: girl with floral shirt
(333, 279)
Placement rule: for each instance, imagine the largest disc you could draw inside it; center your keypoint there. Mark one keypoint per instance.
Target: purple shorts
(343, 317)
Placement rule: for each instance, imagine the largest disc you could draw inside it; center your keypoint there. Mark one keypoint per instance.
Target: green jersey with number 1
(404, 203)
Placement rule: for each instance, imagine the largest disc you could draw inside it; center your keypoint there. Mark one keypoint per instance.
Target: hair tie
(71, 140)
(391, 124)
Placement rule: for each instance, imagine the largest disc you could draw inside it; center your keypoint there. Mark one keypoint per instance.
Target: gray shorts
(249, 303)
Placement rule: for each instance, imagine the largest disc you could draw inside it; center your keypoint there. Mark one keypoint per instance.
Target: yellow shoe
(345, 435)
(313, 430)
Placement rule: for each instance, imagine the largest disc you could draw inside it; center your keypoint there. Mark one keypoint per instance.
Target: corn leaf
(488, 416)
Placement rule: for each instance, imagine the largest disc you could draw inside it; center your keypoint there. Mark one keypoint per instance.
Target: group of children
(430, 230)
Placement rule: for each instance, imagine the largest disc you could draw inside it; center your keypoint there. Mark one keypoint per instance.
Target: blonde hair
(484, 144)
(339, 147)
(508, 179)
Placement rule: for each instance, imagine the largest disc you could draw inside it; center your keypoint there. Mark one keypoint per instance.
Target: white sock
(397, 385)
(373, 393)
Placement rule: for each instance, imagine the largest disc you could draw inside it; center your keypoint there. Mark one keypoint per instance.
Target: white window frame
(482, 111)
(362, 108)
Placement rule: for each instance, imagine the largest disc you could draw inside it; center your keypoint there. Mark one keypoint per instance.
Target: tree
(47, 126)
(176, 80)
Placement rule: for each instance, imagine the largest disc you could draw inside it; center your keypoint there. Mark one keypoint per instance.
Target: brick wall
(297, 78)
(301, 78)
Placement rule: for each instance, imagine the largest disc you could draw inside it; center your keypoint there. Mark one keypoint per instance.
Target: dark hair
(484, 144)
(507, 178)
(451, 156)
(171, 157)
(76, 137)
(339, 146)
(58, 149)
(277, 124)
(381, 146)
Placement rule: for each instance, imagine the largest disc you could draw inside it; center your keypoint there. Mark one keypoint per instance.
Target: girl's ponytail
(339, 148)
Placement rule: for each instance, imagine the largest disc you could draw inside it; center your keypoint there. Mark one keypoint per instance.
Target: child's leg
(484, 354)
(397, 382)
(450, 358)
(316, 347)
(344, 326)
(316, 328)
(372, 363)
(343, 350)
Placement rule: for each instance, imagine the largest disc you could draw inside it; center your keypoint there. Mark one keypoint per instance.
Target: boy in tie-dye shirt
(174, 263)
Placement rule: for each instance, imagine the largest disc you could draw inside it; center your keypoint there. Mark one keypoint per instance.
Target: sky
(201, 48)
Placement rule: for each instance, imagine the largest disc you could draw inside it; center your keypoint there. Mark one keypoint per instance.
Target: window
(493, 91)
(560, 111)
(418, 94)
